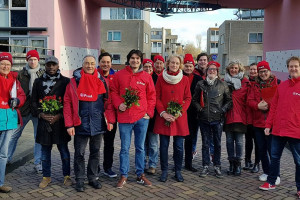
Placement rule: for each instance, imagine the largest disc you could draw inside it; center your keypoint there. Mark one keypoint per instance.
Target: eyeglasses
(212, 69)
(263, 71)
(5, 64)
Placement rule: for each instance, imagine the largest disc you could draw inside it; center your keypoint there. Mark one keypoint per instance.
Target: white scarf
(211, 81)
(235, 80)
(33, 76)
(172, 79)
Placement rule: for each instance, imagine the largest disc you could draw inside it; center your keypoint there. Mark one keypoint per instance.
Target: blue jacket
(8, 119)
(91, 113)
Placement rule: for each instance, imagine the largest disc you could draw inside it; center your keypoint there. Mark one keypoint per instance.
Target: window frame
(113, 61)
(112, 39)
(255, 42)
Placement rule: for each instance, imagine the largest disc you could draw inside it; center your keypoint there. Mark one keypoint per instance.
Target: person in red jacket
(151, 142)
(159, 63)
(12, 97)
(105, 60)
(259, 102)
(85, 113)
(283, 124)
(250, 136)
(236, 120)
(172, 86)
(133, 117)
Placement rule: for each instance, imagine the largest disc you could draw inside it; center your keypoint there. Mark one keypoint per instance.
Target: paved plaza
(25, 181)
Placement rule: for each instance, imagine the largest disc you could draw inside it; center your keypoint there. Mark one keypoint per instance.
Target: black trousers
(108, 152)
(250, 138)
(188, 142)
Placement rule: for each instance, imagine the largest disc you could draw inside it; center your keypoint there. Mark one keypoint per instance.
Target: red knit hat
(6, 56)
(146, 60)
(214, 63)
(263, 65)
(188, 58)
(32, 53)
(159, 57)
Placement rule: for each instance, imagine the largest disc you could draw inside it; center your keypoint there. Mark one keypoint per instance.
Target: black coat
(58, 133)
(217, 100)
(152, 120)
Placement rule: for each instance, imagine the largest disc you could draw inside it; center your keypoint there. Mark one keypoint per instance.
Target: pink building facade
(73, 28)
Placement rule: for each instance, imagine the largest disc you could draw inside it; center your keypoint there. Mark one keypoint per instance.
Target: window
(125, 13)
(212, 45)
(217, 32)
(217, 45)
(114, 36)
(116, 59)
(222, 39)
(156, 47)
(254, 59)
(255, 37)
(146, 38)
(13, 13)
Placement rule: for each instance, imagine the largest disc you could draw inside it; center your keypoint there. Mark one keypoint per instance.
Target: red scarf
(201, 99)
(90, 86)
(6, 85)
(173, 73)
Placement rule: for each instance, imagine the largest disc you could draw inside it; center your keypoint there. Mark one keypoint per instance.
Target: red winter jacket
(166, 92)
(19, 94)
(237, 114)
(140, 81)
(71, 107)
(284, 115)
(259, 117)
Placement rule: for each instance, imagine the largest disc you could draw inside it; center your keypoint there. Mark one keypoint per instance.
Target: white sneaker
(38, 168)
(277, 182)
(263, 177)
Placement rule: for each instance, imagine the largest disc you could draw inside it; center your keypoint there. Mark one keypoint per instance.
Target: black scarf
(49, 81)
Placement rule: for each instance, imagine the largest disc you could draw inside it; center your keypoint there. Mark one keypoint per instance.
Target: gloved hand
(13, 102)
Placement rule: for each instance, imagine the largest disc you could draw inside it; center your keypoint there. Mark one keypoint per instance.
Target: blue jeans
(277, 146)
(208, 130)
(264, 148)
(194, 140)
(177, 152)
(234, 145)
(151, 148)
(5, 137)
(140, 130)
(65, 158)
(80, 143)
(17, 134)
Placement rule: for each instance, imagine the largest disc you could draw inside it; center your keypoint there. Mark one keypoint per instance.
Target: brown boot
(45, 182)
(68, 181)
(5, 189)
(143, 180)
(121, 182)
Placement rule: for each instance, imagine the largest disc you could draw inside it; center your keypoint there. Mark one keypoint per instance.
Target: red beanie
(146, 60)
(263, 65)
(159, 57)
(214, 63)
(32, 53)
(188, 58)
(6, 56)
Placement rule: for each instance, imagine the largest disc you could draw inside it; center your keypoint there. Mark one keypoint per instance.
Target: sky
(188, 25)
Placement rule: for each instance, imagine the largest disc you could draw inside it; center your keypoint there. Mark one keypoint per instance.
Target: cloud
(187, 26)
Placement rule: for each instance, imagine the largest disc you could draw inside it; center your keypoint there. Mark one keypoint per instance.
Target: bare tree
(198, 40)
(191, 49)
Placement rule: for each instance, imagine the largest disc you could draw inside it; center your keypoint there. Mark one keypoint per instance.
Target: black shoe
(192, 169)
(248, 164)
(218, 171)
(79, 187)
(178, 176)
(230, 170)
(204, 171)
(95, 184)
(238, 168)
(163, 176)
(255, 168)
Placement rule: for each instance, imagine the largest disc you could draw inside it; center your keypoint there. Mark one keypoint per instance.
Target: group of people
(153, 100)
